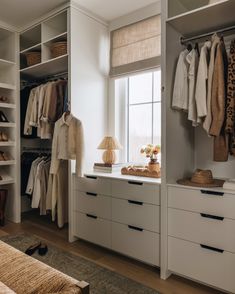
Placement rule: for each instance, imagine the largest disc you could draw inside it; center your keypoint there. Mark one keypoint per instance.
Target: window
(144, 113)
(138, 110)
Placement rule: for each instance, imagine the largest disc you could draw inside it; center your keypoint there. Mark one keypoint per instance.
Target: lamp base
(109, 157)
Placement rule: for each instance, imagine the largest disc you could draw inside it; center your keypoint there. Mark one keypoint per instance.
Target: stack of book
(108, 168)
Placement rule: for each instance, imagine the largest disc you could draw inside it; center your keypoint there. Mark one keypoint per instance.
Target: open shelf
(7, 86)
(33, 48)
(4, 63)
(7, 45)
(7, 125)
(55, 26)
(47, 68)
(8, 162)
(204, 19)
(7, 143)
(7, 105)
(30, 38)
(60, 37)
(7, 182)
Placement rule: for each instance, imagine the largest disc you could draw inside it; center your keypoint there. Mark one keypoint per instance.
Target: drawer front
(91, 229)
(202, 201)
(202, 229)
(210, 267)
(139, 214)
(92, 203)
(93, 185)
(142, 245)
(139, 191)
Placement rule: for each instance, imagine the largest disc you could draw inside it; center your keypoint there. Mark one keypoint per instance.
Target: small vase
(153, 165)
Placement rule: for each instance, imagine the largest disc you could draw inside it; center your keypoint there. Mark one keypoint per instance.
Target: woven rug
(101, 280)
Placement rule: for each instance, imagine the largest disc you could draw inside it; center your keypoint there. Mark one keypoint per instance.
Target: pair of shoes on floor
(3, 137)
(5, 157)
(40, 247)
(3, 118)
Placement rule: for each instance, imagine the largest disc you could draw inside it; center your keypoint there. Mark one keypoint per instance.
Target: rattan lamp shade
(110, 143)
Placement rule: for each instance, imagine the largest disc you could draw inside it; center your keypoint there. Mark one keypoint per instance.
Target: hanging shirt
(67, 142)
(27, 126)
(192, 59)
(30, 185)
(202, 79)
(208, 119)
(180, 91)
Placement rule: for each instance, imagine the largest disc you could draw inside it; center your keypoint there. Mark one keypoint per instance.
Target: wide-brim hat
(201, 178)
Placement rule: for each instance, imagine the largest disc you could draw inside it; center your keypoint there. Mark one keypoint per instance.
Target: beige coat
(67, 143)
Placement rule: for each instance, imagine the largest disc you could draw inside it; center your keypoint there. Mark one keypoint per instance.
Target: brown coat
(218, 100)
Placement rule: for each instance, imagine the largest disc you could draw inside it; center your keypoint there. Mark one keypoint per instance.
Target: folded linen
(229, 184)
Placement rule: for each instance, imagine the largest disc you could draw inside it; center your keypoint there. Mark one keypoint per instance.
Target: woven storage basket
(33, 58)
(58, 49)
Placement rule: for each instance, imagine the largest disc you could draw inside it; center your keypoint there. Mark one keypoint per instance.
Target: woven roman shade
(136, 47)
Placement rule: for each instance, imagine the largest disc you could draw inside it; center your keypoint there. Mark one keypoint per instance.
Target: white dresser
(201, 235)
(118, 212)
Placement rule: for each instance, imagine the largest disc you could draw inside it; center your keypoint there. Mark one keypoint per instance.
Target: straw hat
(201, 178)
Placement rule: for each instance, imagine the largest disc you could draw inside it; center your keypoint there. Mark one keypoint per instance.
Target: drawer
(92, 229)
(141, 245)
(134, 190)
(207, 266)
(93, 185)
(92, 203)
(202, 229)
(139, 214)
(202, 201)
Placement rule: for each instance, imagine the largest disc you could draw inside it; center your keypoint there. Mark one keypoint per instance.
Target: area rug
(101, 280)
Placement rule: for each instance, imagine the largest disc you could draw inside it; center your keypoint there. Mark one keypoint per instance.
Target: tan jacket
(67, 143)
(218, 91)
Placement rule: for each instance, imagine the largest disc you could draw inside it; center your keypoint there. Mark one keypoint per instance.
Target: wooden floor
(149, 276)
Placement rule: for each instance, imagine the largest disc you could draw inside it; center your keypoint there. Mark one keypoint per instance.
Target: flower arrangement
(150, 151)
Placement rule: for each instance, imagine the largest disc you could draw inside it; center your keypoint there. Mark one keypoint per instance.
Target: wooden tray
(140, 172)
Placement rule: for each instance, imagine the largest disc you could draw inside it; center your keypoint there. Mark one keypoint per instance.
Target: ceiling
(22, 12)
(19, 13)
(112, 9)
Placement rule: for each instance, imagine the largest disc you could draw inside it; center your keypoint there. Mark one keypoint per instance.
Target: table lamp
(109, 144)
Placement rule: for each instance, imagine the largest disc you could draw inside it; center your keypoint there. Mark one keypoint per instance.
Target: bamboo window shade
(136, 46)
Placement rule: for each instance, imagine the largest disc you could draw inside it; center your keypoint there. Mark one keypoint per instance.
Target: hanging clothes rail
(184, 41)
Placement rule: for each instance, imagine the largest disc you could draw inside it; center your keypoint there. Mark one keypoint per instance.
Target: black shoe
(3, 118)
(43, 249)
(31, 250)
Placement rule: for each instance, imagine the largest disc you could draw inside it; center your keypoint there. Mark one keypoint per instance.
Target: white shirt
(202, 76)
(30, 185)
(180, 92)
(208, 119)
(192, 59)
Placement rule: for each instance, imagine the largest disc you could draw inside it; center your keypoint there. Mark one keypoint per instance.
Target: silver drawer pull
(91, 216)
(215, 193)
(211, 248)
(135, 202)
(91, 177)
(220, 218)
(91, 194)
(135, 183)
(135, 228)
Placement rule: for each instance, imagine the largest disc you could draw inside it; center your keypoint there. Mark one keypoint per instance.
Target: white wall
(89, 61)
(138, 15)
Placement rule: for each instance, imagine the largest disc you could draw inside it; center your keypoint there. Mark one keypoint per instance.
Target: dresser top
(216, 189)
(119, 176)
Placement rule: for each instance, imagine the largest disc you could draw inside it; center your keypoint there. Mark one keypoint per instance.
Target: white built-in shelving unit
(185, 148)
(9, 89)
(40, 38)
